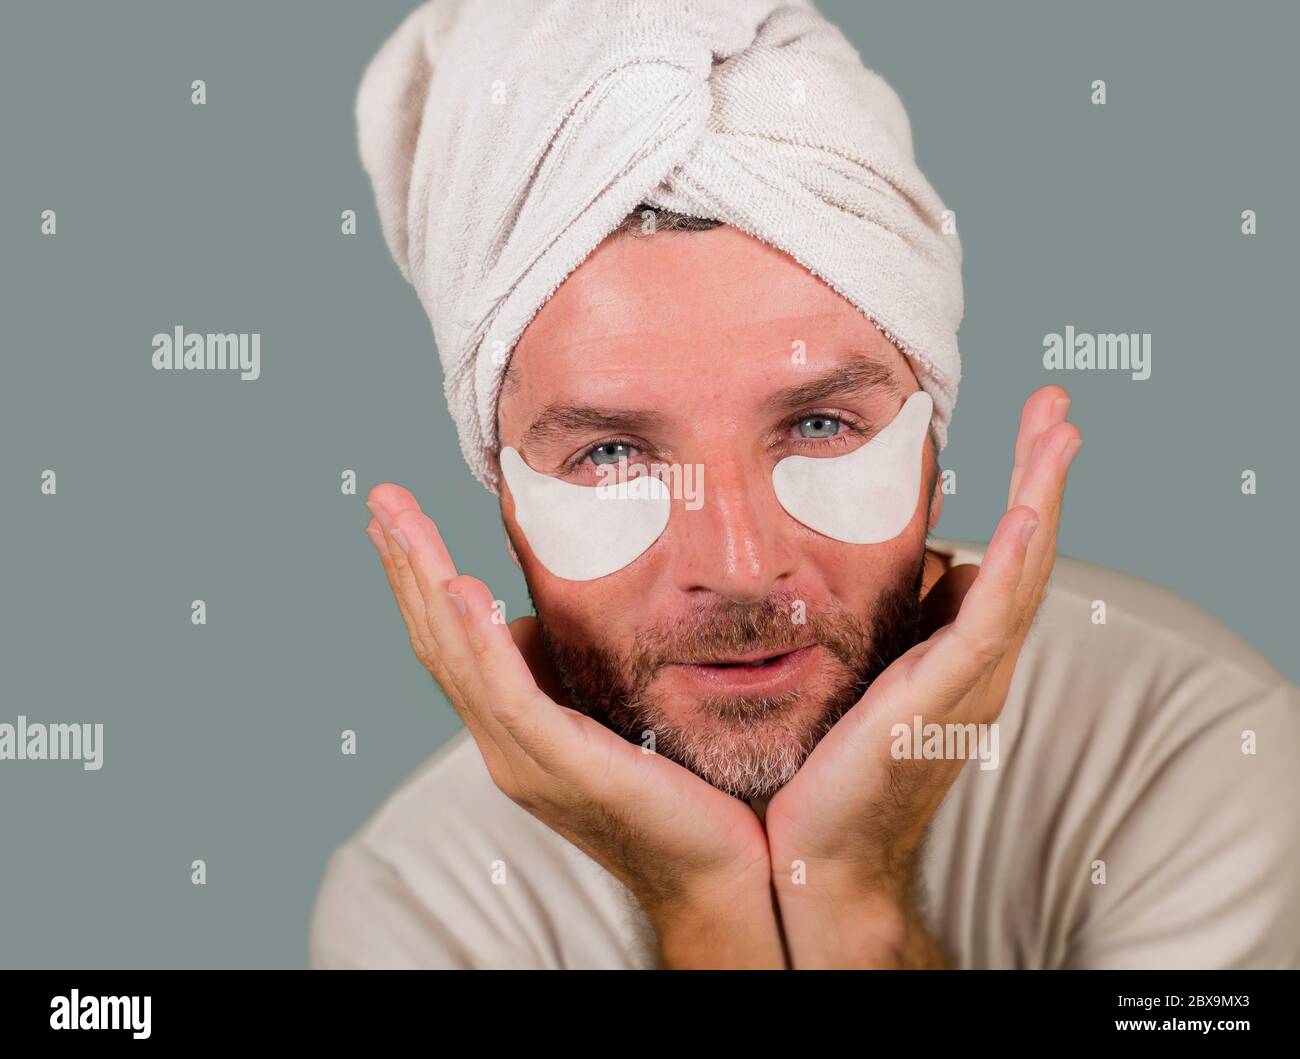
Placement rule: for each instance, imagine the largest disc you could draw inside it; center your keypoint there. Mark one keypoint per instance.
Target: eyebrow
(855, 379)
(558, 420)
(858, 378)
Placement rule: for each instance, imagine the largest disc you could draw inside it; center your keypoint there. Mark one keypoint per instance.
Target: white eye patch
(867, 496)
(578, 532)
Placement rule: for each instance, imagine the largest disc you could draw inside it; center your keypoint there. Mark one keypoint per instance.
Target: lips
(757, 672)
(754, 658)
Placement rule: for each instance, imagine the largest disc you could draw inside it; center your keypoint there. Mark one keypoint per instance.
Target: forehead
(656, 314)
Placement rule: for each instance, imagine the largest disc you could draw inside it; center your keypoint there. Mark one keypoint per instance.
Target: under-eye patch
(868, 495)
(580, 533)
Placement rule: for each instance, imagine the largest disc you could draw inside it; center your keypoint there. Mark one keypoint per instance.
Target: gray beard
(748, 746)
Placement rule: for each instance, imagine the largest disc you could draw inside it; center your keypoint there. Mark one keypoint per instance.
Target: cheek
(856, 575)
(589, 613)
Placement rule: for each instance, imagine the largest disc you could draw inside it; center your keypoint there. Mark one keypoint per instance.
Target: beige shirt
(1120, 743)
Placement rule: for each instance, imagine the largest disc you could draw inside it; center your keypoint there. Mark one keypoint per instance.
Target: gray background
(222, 742)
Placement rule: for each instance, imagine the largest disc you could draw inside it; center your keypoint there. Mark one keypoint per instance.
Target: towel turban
(506, 139)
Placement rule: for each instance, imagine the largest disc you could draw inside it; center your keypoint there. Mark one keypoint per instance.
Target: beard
(748, 746)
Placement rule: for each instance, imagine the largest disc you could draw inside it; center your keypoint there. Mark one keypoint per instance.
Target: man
(757, 722)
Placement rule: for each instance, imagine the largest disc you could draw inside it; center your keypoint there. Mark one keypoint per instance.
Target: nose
(732, 543)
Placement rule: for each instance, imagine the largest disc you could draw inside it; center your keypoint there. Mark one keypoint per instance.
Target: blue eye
(610, 452)
(819, 426)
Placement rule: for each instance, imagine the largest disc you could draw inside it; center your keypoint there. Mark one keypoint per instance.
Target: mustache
(600, 678)
(778, 623)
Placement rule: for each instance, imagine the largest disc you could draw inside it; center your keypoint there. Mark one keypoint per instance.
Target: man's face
(711, 349)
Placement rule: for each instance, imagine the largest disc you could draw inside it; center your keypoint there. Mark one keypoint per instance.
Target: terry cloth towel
(506, 138)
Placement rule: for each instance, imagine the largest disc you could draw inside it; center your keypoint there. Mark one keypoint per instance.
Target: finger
(428, 566)
(415, 626)
(392, 497)
(542, 729)
(1042, 488)
(385, 501)
(1045, 408)
(420, 546)
(985, 626)
(376, 534)
(401, 522)
(425, 646)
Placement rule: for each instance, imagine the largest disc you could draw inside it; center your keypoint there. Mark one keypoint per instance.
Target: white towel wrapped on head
(507, 138)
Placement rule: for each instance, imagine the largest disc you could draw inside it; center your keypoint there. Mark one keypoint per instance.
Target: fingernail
(1027, 531)
(381, 516)
(1059, 409)
(1068, 453)
(458, 600)
(376, 536)
(400, 538)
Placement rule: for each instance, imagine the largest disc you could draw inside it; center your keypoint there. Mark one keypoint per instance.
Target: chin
(748, 733)
(748, 759)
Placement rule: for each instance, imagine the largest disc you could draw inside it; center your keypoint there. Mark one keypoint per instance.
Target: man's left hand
(844, 833)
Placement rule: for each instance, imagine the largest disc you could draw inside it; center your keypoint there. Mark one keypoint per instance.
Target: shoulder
(1147, 787)
(449, 872)
(1115, 625)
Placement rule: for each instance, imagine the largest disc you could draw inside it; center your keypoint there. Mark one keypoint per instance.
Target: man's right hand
(695, 858)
